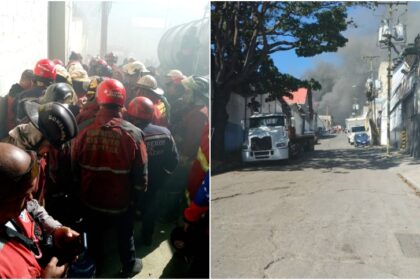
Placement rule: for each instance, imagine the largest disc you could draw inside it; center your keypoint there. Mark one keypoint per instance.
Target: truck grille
(261, 144)
(262, 155)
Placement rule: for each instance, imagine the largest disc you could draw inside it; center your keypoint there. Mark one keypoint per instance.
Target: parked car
(361, 139)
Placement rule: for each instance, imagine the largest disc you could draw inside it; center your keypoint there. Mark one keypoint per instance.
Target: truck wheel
(294, 150)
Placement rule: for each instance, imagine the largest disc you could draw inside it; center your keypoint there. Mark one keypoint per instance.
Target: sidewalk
(158, 259)
(409, 171)
(411, 176)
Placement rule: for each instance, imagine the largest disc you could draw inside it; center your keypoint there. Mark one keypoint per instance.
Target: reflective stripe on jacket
(110, 159)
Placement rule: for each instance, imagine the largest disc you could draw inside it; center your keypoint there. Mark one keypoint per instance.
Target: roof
(299, 96)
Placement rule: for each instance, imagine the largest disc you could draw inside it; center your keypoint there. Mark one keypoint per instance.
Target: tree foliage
(244, 34)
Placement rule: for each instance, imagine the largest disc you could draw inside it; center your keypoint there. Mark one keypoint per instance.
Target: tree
(244, 34)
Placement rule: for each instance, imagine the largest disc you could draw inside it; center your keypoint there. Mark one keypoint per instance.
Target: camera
(67, 253)
(70, 250)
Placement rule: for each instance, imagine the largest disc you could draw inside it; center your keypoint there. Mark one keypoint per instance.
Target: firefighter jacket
(88, 111)
(109, 159)
(161, 151)
(200, 165)
(17, 261)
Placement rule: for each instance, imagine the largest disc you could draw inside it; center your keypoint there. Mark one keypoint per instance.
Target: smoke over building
(343, 83)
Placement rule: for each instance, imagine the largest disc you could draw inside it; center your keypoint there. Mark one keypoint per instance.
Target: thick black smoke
(344, 84)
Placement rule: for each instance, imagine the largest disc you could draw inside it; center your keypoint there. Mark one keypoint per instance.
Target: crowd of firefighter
(107, 142)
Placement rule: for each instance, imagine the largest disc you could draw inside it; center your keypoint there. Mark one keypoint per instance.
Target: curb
(410, 183)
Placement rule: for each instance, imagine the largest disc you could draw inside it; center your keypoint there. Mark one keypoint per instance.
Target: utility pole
(106, 8)
(389, 45)
(388, 97)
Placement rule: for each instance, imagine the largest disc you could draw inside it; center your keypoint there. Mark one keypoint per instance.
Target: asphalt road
(338, 212)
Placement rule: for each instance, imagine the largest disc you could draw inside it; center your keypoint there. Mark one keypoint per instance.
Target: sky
(343, 73)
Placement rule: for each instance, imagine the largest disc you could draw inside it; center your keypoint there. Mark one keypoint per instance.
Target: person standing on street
(163, 159)
(44, 75)
(109, 162)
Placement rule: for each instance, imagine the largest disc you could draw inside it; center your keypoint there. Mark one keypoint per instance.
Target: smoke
(343, 83)
(134, 27)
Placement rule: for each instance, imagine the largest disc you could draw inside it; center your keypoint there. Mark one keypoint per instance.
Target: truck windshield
(268, 121)
(357, 129)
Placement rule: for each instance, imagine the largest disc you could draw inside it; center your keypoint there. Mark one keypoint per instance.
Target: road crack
(265, 276)
(250, 193)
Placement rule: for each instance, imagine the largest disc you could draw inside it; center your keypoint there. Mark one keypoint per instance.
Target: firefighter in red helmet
(162, 160)
(99, 67)
(109, 162)
(44, 75)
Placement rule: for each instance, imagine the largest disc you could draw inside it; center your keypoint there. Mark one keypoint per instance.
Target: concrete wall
(23, 38)
(59, 15)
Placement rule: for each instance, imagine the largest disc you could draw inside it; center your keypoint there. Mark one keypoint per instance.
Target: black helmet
(54, 120)
(197, 84)
(59, 92)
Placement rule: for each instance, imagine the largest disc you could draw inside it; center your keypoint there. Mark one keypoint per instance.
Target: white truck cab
(266, 138)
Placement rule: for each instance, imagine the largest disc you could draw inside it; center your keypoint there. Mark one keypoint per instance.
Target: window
(267, 121)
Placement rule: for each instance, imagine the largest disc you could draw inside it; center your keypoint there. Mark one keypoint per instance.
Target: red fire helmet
(111, 91)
